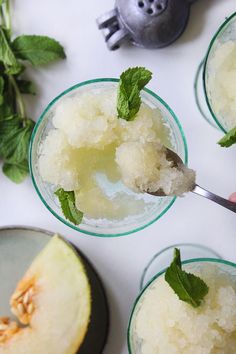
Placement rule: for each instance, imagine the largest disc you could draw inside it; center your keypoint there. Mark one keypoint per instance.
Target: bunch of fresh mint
(15, 126)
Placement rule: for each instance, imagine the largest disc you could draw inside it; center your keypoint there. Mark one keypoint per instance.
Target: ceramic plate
(18, 248)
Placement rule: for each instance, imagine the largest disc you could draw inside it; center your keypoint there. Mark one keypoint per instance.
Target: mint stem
(8, 15)
(5, 15)
(19, 99)
(6, 22)
(3, 22)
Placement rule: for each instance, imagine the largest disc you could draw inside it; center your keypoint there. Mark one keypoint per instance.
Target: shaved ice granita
(169, 318)
(99, 153)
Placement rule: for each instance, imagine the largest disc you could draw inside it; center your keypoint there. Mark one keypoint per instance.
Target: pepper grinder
(145, 23)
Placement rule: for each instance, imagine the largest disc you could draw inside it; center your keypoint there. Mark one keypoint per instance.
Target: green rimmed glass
(226, 32)
(161, 260)
(225, 267)
(154, 207)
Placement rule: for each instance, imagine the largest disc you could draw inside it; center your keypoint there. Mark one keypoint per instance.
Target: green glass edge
(197, 77)
(64, 221)
(177, 245)
(189, 261)
(221, 28)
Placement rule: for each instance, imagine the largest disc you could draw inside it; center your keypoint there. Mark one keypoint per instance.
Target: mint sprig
(132, 81)
(15, 127)
(68, 207)
(188, 287)
(229, 138)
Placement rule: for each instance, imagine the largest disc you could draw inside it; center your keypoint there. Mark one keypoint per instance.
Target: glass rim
(188, 261)
(177, 245)
(212, 42)
(34, 133)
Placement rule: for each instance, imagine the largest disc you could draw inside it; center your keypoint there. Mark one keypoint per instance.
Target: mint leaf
(188, 287)
(67, 202)
(229, 139)
(26, 87)
(14, 145)
(6, 54)
(21, 143)
(132, 81)
(9, 129)
(39, 50)
(177, 258)
(16, 172)
(15, 70)
(5, 110)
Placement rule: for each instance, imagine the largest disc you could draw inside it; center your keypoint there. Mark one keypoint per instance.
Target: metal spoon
(178, 163)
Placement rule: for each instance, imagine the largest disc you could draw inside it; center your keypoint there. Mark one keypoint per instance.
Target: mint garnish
(229, 138)
(67, 202)
(132, 81)
(188, 287)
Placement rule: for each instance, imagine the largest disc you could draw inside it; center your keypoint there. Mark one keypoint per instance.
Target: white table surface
(120, 261)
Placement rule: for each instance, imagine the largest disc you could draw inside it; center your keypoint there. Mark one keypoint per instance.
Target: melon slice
(52, 303)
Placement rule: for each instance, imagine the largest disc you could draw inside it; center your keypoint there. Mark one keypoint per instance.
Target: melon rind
(62, 303)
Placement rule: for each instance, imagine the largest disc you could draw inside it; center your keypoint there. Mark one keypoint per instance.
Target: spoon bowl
(178, 163)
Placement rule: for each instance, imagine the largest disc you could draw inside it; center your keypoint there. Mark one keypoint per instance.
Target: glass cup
(202, 91)
(192, 256)
(154, 208)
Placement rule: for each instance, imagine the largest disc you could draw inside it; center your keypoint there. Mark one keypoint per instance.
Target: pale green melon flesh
(62, 304)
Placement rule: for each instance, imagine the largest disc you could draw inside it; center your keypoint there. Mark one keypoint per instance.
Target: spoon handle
(215, 198)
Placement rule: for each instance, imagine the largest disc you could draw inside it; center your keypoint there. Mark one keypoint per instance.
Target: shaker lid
(145, 23)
